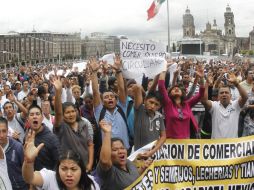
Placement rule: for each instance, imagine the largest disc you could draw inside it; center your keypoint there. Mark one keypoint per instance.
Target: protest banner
(214, 164)
(142, 57)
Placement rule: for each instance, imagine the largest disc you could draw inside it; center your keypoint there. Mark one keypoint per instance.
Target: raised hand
(210, 78)
(200, 71)
(30, 150)
(93, 64)
(105, 126)
(117, 63)
(145, 155)
(232, 78)
(57, 83)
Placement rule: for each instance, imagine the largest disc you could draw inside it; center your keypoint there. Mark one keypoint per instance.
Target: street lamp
(59, 57)
(7, 52)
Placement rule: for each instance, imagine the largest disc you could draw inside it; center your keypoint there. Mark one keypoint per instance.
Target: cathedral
(212, 40)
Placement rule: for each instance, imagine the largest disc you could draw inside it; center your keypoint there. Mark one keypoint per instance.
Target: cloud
(127, 17)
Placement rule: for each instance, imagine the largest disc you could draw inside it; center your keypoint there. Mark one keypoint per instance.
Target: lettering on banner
(216, 187)
(146, 182)
(249, 186)
(185, 163)
(173, 174)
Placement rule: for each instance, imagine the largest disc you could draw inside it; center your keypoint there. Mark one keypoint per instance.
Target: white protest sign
(59, 73)
(142, 57)
(171, 69)
(79, 66)
(143, 149)
(109, 58)
(150, 66)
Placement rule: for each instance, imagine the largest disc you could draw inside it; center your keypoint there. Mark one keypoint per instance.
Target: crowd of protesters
(75, 131)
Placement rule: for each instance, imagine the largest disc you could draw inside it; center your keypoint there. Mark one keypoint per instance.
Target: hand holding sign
(145, 155)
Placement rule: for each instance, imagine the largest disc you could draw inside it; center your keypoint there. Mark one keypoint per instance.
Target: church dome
(228, 9)
(187, 11)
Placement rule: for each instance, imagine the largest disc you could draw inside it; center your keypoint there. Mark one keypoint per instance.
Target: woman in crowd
(70, 172)
(177, 108)
(72, 133)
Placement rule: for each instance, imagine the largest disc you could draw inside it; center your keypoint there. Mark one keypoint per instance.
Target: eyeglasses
(180, 113)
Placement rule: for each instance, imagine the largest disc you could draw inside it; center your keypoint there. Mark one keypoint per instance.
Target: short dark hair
(114, 139)
(34, 106)
(68, 104)
(109, 90)
(41, 90)
(8, 102)
(90, 96)
(4, 121)
(224, 86)
(247, 72)
(24, 81)
(154, 94)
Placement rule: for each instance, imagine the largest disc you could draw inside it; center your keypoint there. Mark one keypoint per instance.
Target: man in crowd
(24, 92)
(225, 113)
(49, 154)
(148, 123)
(15, 120)
(113, 105)
(247, 83)
(14, 156)
(5, 180)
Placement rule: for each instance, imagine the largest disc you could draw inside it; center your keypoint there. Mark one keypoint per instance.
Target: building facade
(251, 44)
(99, 44)
(212, 40)
(38, 47)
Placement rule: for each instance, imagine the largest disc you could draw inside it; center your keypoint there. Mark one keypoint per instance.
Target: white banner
(142, 57)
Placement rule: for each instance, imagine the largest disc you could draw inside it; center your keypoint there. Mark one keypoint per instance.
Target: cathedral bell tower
(229, 23)
(188, 24)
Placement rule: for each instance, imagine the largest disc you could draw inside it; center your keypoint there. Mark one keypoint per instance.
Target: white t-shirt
(225, 120)
(22, 95)
(50, 183)
(5, 183)
(49, 122)
(15, 126)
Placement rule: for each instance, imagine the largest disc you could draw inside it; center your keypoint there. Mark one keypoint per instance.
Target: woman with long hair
(70, 173)
(72, 133)
(177, 108)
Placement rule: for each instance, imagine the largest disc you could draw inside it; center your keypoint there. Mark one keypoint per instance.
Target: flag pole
(168, 27)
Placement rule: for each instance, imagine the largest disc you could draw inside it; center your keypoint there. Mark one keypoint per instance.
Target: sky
(120, 17)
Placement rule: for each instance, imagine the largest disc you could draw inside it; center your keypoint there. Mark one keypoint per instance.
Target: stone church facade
(213, 39)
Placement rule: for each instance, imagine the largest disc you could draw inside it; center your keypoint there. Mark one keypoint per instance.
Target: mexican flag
(154, 8)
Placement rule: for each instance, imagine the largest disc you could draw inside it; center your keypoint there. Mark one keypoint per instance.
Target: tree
(251, 52)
